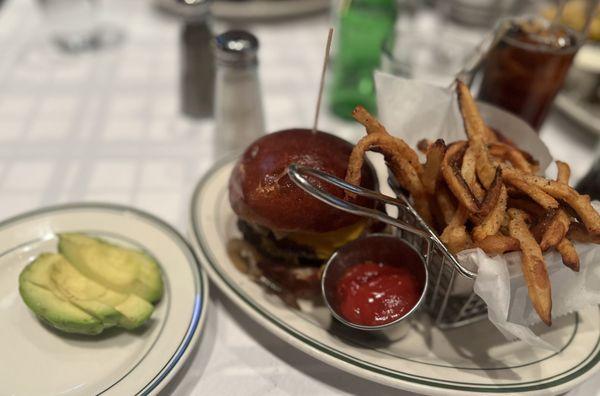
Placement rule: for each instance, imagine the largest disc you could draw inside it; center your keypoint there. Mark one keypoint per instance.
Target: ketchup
(373, 294)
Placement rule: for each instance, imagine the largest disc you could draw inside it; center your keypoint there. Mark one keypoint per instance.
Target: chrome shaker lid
(236, 48)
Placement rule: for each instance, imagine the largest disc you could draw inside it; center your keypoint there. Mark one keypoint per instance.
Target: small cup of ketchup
(375, 284)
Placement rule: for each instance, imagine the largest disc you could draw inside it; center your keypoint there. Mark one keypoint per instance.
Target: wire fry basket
(450, 301)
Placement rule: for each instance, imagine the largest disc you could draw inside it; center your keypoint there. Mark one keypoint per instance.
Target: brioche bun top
(261, 192)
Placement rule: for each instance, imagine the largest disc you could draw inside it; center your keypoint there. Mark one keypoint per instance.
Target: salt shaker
(197, 59)
(239, 118)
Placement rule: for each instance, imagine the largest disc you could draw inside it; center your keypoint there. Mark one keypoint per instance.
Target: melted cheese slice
(325, 243)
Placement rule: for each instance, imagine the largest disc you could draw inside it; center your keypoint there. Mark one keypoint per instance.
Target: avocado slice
(128, 311)
(134, 312)
(123, 270)
(84, 293)
(42, 297)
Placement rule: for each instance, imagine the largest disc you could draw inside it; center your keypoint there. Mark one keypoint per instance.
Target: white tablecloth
(104, 126)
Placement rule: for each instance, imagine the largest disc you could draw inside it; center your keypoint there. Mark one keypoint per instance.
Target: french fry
(498, 244)
(526, 205)
(556, 230)
(578, 232)
(432, 167)
(469, 173)
(536, 193)
(580, 203)
(446, 202)
(532, 265)
(423, 145)
(455, 235)
(404, 172)
(511, 154)
(474, 124)
(491, 198)
(564, 247)
(493, 221)
(532, 161)
(542, 223)
(371, 125)
(489, 135)
(564, 172)
(451, 172)
(476, 132)
(384, 143)
(569, 255)
(514, 192)
(411, 181)
(516, 157)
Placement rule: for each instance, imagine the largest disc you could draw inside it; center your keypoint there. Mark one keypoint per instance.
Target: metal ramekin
(384, 248)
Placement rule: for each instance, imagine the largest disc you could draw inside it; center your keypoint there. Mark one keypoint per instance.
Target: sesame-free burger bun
(261, 192)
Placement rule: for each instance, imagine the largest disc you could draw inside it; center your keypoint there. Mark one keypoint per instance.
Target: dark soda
(526, 68)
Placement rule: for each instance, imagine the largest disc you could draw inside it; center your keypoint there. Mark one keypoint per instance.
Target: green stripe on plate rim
(199, 311)
(383, 352)
(585, 365)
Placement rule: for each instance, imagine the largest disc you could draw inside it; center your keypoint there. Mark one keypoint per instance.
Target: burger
(293, 232)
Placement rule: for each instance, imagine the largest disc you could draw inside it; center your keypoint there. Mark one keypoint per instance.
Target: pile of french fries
(484, 192)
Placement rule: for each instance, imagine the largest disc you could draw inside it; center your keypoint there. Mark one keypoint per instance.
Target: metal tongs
(298, 174)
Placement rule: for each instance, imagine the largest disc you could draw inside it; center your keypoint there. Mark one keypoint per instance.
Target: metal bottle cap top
(236, 48)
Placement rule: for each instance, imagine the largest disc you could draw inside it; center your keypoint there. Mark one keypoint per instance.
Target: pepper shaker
(197, 59)
(239, 118)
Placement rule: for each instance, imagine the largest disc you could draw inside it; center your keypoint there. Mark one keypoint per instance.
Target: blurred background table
(105, 126)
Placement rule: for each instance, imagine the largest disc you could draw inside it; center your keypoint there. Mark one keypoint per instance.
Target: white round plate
(255, 9)
(266, 9)
(38, 360)
(475, 359)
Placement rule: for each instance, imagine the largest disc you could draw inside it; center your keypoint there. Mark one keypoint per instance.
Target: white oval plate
(472, 359)
(38, 360)
(266, 9)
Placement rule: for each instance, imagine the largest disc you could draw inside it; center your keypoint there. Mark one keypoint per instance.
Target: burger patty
(282, 249)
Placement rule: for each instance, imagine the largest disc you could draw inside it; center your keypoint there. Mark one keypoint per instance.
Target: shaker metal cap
(237, 48)
(188, 10)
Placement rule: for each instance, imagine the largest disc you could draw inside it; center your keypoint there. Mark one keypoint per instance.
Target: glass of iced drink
(527, 65)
